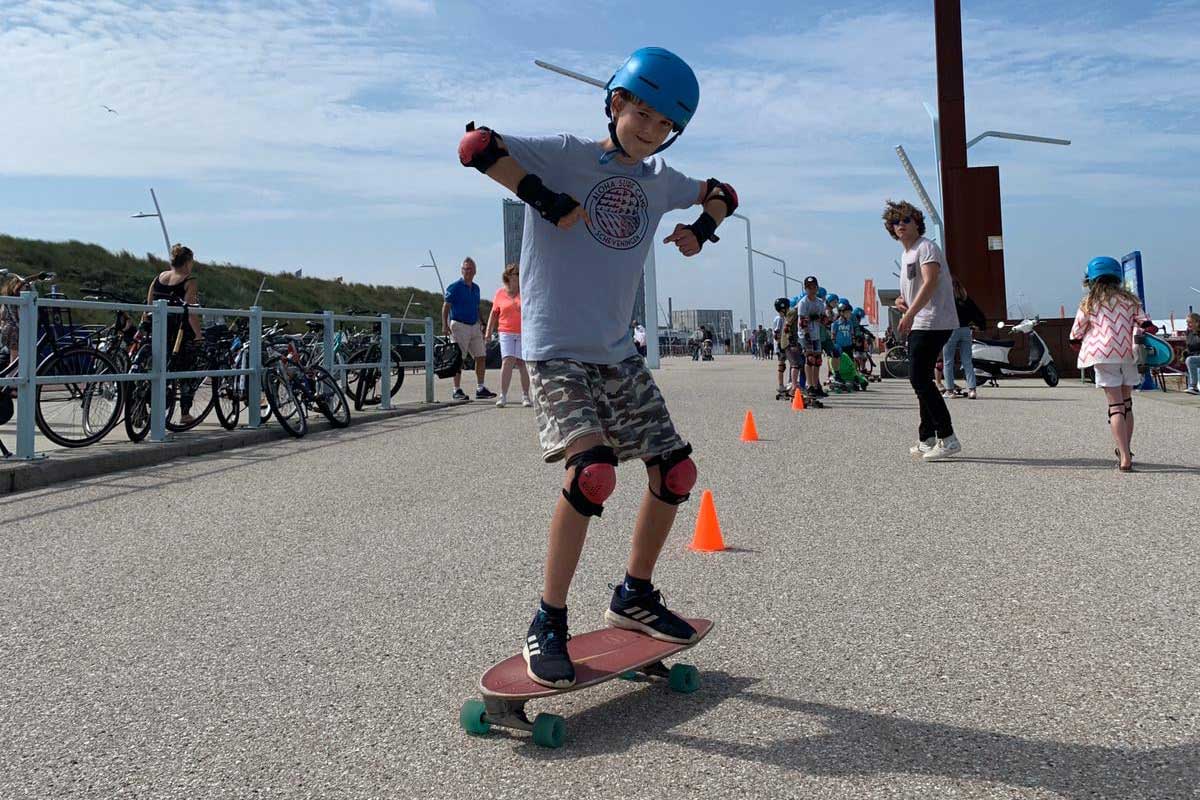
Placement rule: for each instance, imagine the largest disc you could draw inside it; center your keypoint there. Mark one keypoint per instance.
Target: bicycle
(895, 362)
(71, 413)
(184, 395)
(293, 388)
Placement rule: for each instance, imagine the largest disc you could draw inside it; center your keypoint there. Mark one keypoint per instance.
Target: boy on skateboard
(597, 404)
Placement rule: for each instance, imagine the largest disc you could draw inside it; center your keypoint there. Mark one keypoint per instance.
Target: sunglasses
(903, 221)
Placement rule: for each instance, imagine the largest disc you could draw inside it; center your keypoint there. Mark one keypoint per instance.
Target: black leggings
(924, 349)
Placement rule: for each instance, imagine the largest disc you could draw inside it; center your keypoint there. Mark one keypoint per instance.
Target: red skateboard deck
(598, 656)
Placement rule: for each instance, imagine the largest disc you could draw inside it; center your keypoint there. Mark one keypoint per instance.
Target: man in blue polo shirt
(460, 319)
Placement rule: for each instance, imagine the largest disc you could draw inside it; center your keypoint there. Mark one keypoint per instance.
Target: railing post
(429, 359)
(158, 380)
(254, 384)
(385, 374)
(27, 372)
(327, 337)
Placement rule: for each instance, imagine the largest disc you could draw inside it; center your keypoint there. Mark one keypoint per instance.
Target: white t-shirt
(939, 314)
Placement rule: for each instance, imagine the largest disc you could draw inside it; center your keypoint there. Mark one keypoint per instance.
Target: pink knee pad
(594, 481)
(677, 472)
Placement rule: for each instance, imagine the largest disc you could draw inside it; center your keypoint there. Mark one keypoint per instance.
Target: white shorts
(1109, 376)
(468, 337)
(510, 345)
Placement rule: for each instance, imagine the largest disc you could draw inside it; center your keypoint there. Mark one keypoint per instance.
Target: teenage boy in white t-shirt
(927, 302)
(597, 404)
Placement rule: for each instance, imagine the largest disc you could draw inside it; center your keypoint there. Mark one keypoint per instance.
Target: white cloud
(311, 109)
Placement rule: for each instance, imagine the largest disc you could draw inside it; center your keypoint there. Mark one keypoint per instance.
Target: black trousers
(924, 349)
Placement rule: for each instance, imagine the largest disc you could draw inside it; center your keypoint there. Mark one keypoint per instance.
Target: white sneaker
(526, 402)
(922, 447)
(1192, 390)
(944, 448)
(501, 402)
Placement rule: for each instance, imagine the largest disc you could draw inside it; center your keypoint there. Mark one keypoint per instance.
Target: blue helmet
(831, 298)
(844, 305)
(663, 81)
(795, 301)
(858, 313)
(1103, 265)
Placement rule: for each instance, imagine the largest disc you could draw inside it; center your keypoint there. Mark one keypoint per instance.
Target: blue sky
(322, 135)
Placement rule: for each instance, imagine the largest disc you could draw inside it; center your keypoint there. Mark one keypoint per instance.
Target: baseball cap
(811, 280)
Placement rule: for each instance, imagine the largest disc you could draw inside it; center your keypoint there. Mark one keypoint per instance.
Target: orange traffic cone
(707, 538)
(749, 430)
(798, 399)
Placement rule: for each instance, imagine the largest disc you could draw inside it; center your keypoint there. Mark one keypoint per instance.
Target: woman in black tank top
(177, 286)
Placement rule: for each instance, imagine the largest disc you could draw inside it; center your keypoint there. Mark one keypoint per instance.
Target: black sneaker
(459, 394)
(545, 651)
(483, 393)
(646, 614)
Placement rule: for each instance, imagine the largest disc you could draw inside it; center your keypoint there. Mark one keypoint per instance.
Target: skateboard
(599, 656)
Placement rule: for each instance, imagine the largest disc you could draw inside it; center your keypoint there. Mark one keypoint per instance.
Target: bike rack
(27, 380)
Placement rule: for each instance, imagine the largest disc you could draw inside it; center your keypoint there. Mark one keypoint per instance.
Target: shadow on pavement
(158, 476)
(1109, 464)
(645, 714)
(860, 743)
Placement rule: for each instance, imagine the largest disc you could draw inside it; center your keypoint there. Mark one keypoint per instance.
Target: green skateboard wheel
(549, 730)
(472, 718)
(684, 678)
(628, 676)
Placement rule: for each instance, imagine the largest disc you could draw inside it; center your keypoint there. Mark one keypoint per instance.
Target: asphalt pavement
(305, 618)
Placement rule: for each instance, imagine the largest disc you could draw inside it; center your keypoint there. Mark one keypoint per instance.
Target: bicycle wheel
(329, 399)
(227, 404)
(193, 394)
(284, 405)
(137, 399)
(895, 362)
(397, 372)
(364, 386)
(76, 414)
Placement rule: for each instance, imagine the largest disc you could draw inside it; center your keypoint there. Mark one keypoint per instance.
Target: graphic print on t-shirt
(617, 208)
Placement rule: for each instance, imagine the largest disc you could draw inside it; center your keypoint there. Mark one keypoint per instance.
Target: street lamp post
(433, 266)
(749, 268)
(782, 262)
(162, 223)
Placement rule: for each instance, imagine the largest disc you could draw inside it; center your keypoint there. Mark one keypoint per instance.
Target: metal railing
(27, 380)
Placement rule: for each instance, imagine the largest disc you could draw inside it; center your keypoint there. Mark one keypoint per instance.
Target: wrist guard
(704, 229)
(553, 206)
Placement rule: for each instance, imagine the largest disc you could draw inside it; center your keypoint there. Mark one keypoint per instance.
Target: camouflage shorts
(618, 401)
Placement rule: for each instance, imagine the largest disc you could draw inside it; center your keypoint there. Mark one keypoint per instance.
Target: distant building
(514, 226)
(719, 321)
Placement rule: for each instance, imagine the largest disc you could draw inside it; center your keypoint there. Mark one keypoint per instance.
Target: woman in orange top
(506, 318)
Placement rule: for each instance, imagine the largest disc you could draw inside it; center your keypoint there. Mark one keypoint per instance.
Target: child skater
(593, 210)
(1105, 324)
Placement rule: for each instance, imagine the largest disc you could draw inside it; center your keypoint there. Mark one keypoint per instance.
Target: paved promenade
(305, 618)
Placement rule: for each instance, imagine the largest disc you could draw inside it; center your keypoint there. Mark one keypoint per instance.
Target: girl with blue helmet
(597, 404)
(1107, 325)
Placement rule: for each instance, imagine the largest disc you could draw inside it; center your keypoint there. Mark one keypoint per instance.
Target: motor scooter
(991, 357)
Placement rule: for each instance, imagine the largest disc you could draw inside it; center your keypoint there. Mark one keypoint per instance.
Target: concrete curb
(67, 465)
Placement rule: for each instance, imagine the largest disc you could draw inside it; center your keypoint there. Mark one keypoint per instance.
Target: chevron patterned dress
(1107, 333)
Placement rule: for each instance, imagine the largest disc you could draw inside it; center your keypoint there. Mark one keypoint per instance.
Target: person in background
(1106, 324)
(1192, 360)
(927, 303)
(460, 319)
(506, 320)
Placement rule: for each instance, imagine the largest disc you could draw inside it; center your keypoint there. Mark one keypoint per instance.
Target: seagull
(110, 110)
